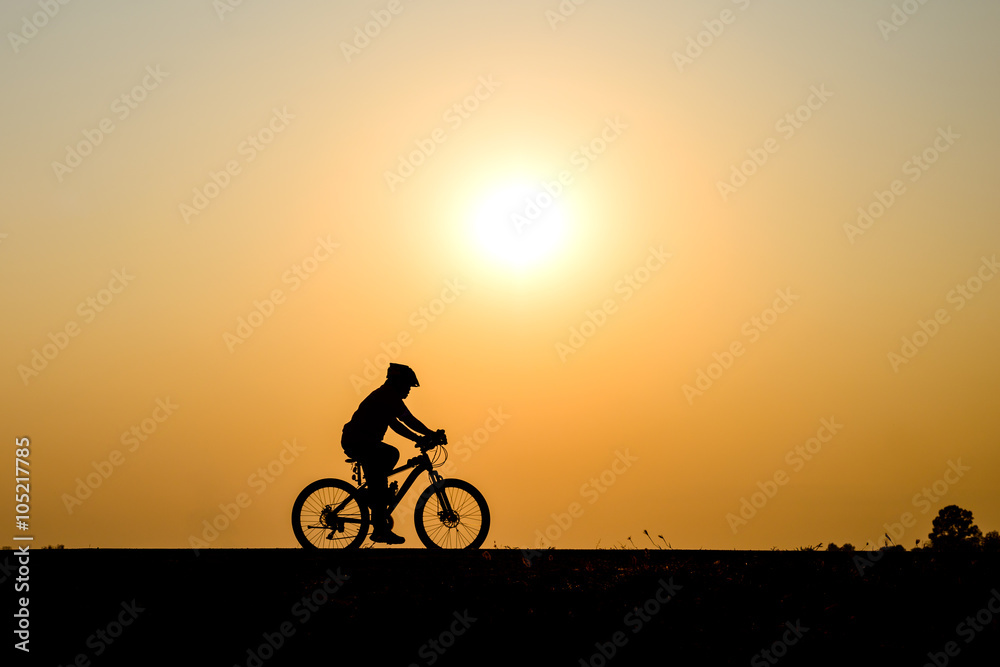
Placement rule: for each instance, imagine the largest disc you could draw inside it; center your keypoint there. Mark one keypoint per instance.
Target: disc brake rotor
(449, 518)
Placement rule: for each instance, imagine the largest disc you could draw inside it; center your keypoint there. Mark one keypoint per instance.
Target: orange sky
(720, 271)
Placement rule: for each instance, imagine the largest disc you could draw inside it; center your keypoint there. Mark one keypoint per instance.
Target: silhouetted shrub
(954, 531)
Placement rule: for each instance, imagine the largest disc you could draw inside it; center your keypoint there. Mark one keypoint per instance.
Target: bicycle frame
(419, 464)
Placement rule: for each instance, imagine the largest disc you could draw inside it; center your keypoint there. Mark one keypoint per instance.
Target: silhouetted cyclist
(362, 440)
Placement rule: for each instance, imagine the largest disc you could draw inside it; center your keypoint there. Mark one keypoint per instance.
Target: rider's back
(371, 420)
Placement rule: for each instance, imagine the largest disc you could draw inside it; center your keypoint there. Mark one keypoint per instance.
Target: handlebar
(431, 441)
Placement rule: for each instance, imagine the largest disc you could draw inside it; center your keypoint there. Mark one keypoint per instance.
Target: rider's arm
(407, 418)
(399, 428)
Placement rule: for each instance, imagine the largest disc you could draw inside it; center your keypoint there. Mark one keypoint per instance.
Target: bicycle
(450, 513)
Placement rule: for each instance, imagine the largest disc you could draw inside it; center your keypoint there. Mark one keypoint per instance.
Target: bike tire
(466, 530)
(310, 521)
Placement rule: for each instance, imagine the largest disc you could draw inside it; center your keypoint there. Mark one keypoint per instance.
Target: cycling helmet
(403, 374)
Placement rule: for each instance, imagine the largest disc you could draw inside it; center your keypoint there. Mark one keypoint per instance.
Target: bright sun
(521, 224)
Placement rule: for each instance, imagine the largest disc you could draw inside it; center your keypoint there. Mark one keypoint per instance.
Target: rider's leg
(377, 503)
(375, 477)
(381, 460)
(388, 455)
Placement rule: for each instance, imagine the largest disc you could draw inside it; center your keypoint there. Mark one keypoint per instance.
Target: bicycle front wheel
(328, 514)
(452, 514)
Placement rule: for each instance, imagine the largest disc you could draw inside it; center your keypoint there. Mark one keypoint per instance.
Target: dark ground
(219, 607)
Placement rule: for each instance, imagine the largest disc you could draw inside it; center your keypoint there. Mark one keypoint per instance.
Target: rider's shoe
(387, 537)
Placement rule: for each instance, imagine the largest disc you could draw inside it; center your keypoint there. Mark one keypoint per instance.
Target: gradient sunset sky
(756, 304)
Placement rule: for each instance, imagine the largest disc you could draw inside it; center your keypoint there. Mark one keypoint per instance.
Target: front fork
(445, 513)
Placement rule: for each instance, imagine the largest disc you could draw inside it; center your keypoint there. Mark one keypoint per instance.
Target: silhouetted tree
(991, 542)
(833, 547)
(953, 530)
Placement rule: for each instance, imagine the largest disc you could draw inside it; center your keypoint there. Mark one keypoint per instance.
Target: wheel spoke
(313, 525)
(464, 525)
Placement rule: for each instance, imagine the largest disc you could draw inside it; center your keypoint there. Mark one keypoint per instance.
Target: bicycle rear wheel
(452, 514)
(328, 514)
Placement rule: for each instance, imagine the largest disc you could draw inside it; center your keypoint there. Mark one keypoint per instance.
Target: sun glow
(521, 225)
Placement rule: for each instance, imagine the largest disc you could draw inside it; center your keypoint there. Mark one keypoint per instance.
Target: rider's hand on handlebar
(430, 441)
